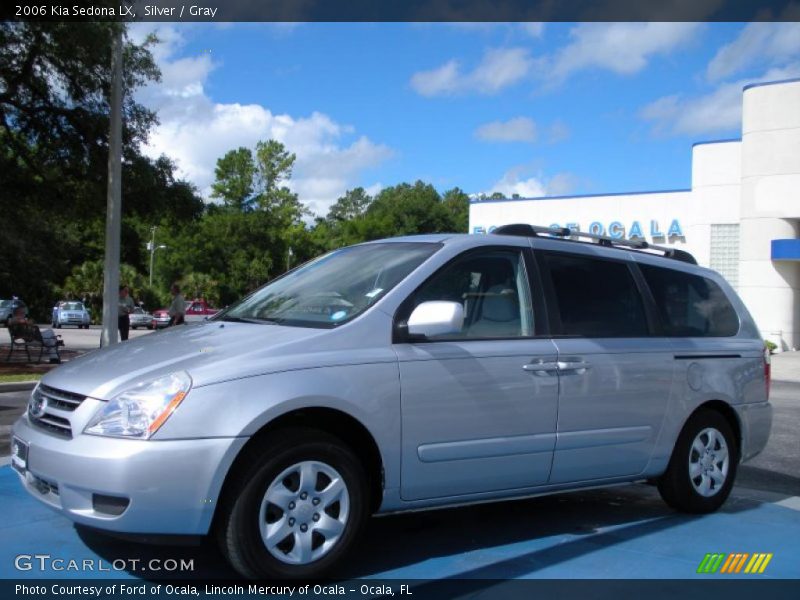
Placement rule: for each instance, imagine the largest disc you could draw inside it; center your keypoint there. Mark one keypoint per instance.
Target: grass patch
(14, 377)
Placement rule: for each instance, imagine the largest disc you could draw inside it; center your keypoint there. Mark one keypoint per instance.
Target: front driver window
(492, 286)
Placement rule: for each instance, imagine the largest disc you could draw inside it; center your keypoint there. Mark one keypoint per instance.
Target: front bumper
(172, 485)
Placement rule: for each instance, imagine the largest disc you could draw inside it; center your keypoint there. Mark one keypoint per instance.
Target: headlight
(140, 411)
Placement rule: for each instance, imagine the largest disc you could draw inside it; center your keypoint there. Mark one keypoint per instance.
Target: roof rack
(525, 230)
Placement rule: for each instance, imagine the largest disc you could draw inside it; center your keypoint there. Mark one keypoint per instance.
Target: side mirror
(436, 318)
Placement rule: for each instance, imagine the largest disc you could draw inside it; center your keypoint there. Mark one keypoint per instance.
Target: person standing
(126, 307)
(177, 310)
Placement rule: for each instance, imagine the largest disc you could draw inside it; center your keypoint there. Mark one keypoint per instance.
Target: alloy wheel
(708, 462)
(304, 512)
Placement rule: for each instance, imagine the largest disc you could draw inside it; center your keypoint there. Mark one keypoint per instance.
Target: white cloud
(443, 80)
(758, 42)
(517, 181)
(623, 48)
(195, 131)
(533, 29)
(518, 129)
(558, 132)
(717, 111)
(498, 69)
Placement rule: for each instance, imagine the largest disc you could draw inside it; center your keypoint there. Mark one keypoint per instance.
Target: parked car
(140, 318)
(160, 318)
(71, 313)
(199, 310)
(7, 308)
(404, 374)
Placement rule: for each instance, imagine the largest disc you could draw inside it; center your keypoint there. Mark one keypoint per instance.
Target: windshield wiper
(231, 318)
(254, 320)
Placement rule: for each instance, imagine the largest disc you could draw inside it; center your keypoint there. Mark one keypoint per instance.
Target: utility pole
(151, 246)
(289, 256)
(114, 198)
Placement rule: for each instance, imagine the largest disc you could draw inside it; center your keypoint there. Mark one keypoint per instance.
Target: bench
(23, 336)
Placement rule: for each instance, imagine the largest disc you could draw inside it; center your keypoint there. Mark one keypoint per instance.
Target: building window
(725, 252)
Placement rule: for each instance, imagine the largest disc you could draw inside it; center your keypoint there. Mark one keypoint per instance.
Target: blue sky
(536, 109)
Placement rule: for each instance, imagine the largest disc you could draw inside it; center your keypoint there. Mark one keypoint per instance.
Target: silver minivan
(402, 374)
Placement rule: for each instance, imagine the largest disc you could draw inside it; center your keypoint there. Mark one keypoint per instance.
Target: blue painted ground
(624, 532)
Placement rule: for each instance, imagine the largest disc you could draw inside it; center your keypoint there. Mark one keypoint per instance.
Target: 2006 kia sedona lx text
(402, 374)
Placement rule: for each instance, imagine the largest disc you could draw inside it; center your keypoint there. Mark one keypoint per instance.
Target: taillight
(767, 369)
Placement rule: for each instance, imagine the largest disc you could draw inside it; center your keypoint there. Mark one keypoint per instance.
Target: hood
(209, 352)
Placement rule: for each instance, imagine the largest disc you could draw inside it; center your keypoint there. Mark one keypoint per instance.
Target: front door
(479, 407)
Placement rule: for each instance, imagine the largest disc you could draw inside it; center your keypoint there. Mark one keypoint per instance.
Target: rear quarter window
(690, 305)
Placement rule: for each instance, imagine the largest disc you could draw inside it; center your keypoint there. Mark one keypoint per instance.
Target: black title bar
(399, 10)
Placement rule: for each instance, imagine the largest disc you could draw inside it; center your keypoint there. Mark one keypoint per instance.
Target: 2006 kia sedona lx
(402, 374)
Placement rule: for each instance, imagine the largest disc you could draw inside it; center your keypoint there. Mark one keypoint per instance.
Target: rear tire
(703, 466)
(294, 507)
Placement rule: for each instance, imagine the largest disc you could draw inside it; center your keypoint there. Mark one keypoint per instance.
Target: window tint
(492, 286)
(690, 305)
(596, 298)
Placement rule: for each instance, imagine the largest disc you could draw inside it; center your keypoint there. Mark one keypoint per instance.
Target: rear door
(479, 407)
(615, 374)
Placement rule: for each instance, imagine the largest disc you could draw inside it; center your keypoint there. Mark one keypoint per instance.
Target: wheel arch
(345, 427)
(730, 415)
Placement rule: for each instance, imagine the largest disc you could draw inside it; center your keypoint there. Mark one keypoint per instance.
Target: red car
(196, 310)
(199, 310)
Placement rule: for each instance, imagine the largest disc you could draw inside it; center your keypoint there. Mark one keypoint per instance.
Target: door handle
(540, 367)
(580, 365)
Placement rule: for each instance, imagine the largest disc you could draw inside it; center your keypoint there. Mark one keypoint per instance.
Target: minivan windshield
(334, 288)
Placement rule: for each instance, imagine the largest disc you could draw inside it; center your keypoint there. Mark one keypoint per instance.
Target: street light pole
(114, 198)
(152, 247)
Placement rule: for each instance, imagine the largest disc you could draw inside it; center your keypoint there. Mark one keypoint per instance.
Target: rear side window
(690, 305)
(596, 298)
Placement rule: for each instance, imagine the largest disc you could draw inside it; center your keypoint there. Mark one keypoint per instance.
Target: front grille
(58, 425)
(60, 399)
(53, 401)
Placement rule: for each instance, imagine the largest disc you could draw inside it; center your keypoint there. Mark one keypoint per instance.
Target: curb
(18, 386)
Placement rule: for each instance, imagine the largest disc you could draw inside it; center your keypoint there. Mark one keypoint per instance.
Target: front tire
(294, 507)
(703, 466)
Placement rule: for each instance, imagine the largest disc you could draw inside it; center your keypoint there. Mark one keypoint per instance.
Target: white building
(740, 217)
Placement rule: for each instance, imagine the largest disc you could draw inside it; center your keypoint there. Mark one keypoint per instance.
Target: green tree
(201, 285)
(274, 166)
(85, 283)
(235, 173)
(407, 209)
(353, 204)
(456, 202)
(54, 83)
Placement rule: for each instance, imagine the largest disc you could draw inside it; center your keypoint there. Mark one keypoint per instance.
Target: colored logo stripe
(711, 563)
(734, 563)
